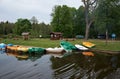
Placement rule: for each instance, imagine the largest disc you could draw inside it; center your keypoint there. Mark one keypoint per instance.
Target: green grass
(45, 43)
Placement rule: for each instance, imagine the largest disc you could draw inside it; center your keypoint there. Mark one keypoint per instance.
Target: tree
(6, 27)
(79, 21)
(89, 14)
(22, 25)
(107, 16)
(34, 20)
(40, 29)
(56, 18)
(62, 20)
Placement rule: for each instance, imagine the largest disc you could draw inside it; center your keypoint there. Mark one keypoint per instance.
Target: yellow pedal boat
(88, 44)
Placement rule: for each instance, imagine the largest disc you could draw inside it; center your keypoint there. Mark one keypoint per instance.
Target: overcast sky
(11, 10)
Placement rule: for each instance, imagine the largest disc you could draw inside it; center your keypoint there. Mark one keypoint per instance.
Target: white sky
(12, 10)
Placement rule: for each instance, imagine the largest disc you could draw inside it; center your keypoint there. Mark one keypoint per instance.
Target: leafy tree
(79, 27)
(62, 20)
(40, 29)
(73, 13)
(34, 20)
(107, 16)
(6, 27)
(22, 25)
(56, 18)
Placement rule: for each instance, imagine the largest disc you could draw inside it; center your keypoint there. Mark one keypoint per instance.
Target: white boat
(80, 47)
(55, 50)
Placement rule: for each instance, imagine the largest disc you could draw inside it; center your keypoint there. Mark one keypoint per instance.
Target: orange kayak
(13, 48)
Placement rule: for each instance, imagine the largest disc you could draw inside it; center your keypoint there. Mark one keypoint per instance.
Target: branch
(84, 2)
(90, 22)
(93, 2)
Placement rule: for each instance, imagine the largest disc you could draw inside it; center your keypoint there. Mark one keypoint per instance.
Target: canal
(74, 66)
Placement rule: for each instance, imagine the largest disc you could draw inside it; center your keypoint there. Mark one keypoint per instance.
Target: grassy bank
(45, 43)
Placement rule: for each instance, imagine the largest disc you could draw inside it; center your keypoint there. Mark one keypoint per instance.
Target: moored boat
(36, 50)
(68, 47)
(80, 47)
(12, 48)
(55, 50)
(9, 44)
(88, 44)
(22, 49)
(2, 46)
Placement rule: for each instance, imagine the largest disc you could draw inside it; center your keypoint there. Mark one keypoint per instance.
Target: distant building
(55, 35)
(25, 35)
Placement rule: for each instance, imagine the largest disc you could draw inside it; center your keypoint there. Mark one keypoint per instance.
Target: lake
(75, 66)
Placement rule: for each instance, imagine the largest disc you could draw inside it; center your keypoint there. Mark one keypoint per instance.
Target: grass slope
(45, 43)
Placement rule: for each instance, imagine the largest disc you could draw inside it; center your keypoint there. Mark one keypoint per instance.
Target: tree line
(95, 17)
(90, 20)
(24, 25)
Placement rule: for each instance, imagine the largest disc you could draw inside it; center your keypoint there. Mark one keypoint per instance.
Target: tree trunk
(87, 31)
(88, 4)
(87, 23)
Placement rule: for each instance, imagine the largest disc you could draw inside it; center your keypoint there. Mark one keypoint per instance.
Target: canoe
(68, 47)
(12, 48)
(36, 50)
(22, 49)
(55, 50)
(80, 47)
(88, 44)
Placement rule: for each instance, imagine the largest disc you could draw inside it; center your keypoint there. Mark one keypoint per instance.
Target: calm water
(75, 66)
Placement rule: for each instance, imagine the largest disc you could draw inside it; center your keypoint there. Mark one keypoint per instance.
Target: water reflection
(2, 51)
(17, 55)
(24, 56)
(77, 66)
(17, 65)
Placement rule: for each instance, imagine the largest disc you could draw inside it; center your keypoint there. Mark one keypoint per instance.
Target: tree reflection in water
(78, 66)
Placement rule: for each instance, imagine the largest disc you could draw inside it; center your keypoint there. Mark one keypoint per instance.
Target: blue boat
(9, 44)
(2, 46)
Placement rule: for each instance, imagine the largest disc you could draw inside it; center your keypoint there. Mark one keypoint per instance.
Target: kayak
(88, 44)
(67, 46)
(12, 48)
(55, 50)
(36, 50)
(22, 49)
(80, 47)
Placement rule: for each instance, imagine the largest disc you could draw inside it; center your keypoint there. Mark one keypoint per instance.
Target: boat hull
(88, 44)
(55, 50)
(80, 47)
